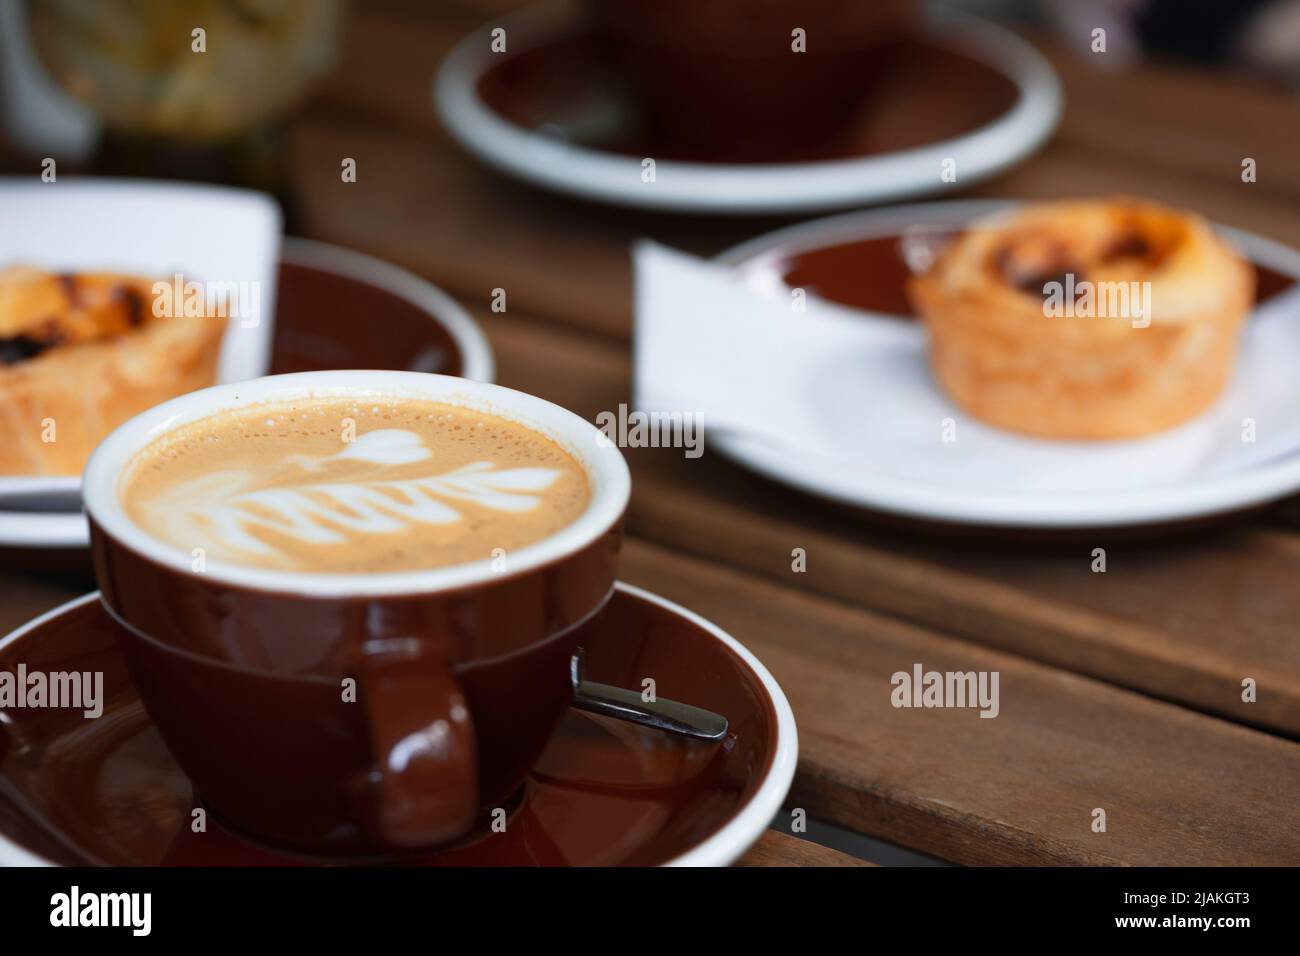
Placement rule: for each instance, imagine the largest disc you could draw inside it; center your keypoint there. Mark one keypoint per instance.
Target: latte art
(339, 485)
(325, 513)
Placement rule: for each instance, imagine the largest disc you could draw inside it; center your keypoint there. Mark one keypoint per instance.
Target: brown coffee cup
(724, 79)
(355, 713)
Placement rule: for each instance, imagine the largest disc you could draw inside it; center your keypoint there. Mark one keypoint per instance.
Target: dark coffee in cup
(379, 692)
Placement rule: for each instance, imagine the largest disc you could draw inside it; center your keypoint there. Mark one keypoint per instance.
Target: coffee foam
(344, 485)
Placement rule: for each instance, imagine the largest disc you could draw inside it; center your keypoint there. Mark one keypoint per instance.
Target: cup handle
(422, 739)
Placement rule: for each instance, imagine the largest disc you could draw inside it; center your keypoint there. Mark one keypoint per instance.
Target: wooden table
(1120, 691)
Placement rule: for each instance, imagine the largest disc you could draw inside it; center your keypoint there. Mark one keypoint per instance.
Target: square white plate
(155, 229)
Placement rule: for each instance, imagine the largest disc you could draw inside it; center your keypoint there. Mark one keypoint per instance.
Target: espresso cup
(345, 713)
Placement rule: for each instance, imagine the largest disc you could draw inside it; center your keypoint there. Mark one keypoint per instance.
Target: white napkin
(855, 388)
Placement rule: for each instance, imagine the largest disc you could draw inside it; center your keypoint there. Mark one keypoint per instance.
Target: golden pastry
(79, 355)
(1085, 318)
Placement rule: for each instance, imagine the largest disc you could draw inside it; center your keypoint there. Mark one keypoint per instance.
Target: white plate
(954, 503)
(149, 229)
(551, 163)
(60, 530)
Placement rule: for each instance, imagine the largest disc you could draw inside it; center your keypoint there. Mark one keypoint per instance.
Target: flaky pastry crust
(1025, 359)
(79, 355)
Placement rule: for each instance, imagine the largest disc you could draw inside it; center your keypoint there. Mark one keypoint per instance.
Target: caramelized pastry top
(1085, 319)
(40, 310)
(1006, 260)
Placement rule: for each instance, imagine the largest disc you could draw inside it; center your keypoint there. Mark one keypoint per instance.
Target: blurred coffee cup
(754, 79)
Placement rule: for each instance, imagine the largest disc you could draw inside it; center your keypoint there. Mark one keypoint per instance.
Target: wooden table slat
(1178, 787)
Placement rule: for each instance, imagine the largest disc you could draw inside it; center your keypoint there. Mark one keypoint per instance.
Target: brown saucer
(80, 791)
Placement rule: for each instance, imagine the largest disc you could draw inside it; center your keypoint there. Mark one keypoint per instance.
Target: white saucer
(552, 163)
(945, 498)
(44, 513)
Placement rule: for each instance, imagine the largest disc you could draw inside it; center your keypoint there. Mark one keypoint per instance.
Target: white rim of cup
(607, 475)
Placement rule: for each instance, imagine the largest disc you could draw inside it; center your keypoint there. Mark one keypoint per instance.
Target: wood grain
(1178, 788)
(1173, 119)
